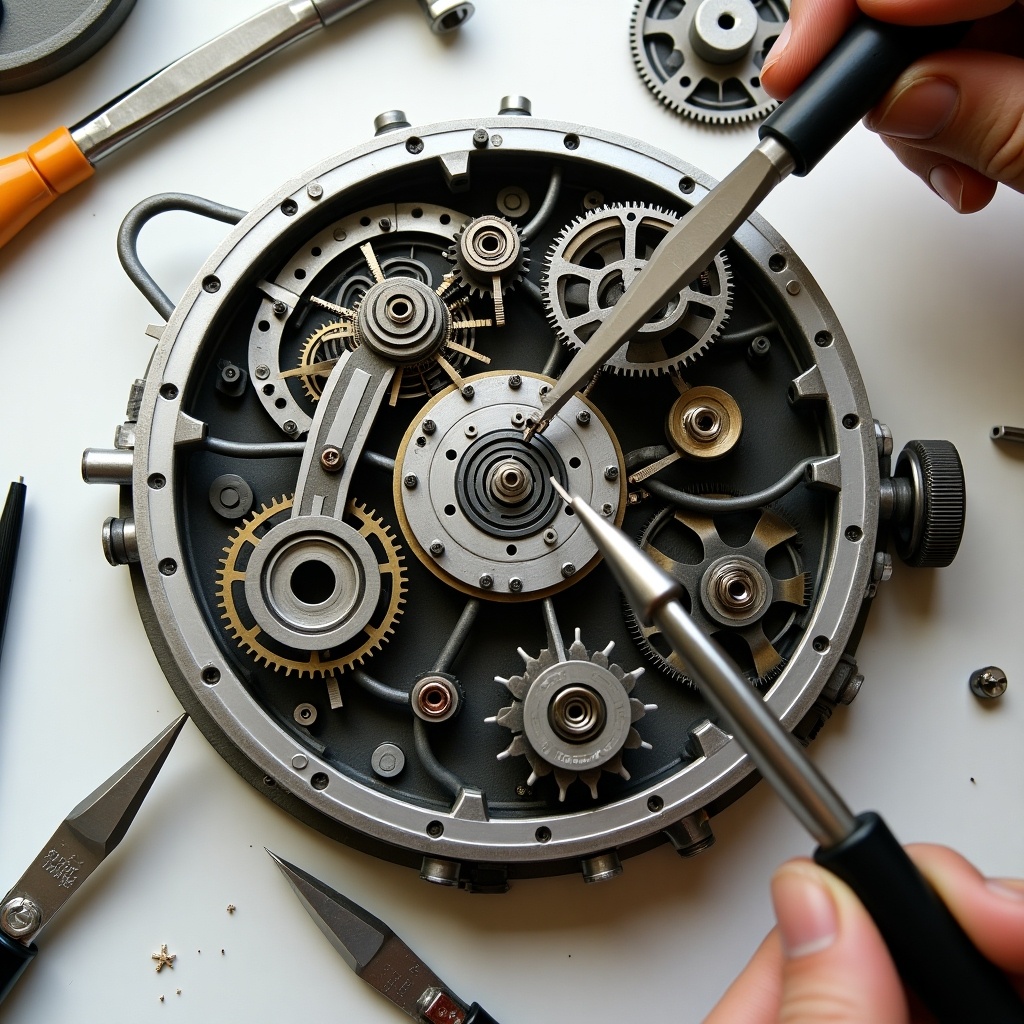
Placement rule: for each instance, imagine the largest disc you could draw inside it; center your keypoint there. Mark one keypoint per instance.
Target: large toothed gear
(572, 717)
(241, 624)
(596, 258)
(703, 58)
(732, 591)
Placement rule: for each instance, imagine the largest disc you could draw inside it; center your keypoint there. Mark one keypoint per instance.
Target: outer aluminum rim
(191, 649)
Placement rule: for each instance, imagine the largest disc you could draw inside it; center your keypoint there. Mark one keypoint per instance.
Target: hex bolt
(607, 509)
(611, 472)
(988, 683)
(428, 426)
(515, 584)
(262, 371)
(436, 548)
(583, 417)
(486, 581)
(314, 190)
(468, 391)
(410, 481)
(515, 382)
(480, 138)
(881, 570)
(331, 459)
(568, 569)
(279, 310)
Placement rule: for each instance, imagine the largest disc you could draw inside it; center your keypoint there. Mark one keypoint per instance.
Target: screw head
(486, 581)
(411, 480)
(436, 548)
(331, 459)
(290, 426)
(583, 417)
(262, 371)
(550, 537)
(428, 426)
(384, 223)
(468, 391)
(280, 308)
(568, 569)
(314, 190)
(988, 683)
(607, 509)
(515, 584)
(20, 916)
(481, 138)
(515, 382)
(611, 472)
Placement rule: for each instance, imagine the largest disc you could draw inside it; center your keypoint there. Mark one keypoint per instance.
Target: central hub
(736, 590)
(510, 483)
(403, 320)
(723, 31)
(577, 713)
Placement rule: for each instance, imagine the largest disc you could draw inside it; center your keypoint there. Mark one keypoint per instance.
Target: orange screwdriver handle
(30, 181)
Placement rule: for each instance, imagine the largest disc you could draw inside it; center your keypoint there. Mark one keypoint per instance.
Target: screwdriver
(931, 951)
(378, 955)
(848, 83)
(80, 844)
(31, 181)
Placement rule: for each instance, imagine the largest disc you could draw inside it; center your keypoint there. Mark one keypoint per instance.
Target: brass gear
(325, 343)
(311, 663)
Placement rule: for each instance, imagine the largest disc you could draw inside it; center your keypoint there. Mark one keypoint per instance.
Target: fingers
(991, 911)
(814, 27)
(836, 966)
(963, 188)
(965, 105)
(931, 12)
(754, 997)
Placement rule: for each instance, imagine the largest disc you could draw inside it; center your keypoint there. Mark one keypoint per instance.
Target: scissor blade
(683, 253)
(91, 831)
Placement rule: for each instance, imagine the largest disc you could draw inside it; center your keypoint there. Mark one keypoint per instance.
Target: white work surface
(933, 304)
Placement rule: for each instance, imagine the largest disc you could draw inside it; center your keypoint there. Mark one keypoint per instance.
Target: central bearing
(510, 483)
(736, 590)
(403, 320)
(577, 713)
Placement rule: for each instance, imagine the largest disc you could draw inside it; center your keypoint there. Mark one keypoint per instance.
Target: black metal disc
(42, 41)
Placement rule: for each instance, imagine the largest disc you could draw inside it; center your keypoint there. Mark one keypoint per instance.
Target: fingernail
(777, 47)
(1008, 888)
(947, 184)
(919, 111)
(805, 911)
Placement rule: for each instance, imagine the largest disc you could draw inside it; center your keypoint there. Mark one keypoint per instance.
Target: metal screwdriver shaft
(10, 536)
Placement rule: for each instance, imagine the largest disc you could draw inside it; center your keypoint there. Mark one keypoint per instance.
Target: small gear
(730, 588)
(325, 344)
(572, 717)
(240, 624)
(596, 258)
(490, 259)
(703, 58)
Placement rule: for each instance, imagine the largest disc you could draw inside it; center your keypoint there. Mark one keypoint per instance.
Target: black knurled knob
(931, 534)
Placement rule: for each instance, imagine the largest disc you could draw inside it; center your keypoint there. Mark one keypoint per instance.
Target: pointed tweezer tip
(562, 492)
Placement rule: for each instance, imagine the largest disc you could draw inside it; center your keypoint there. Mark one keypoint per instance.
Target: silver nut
(611, 472)
(568, 569)
(515, 584)
(583, 417)
(515, 382)
(20, 916)
(468, 391)
(988, 683)
(436, 548)
(881, 570)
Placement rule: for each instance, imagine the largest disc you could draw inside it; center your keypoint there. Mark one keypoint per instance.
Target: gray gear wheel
(572, 717)
(488, 248)
(731, 587)
(703, 58)
(596, 258)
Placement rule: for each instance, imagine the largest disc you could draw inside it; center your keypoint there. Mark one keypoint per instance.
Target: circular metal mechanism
(513, 201)
(596, 259)
(293, 588)
(572, 717)
(338, 295)
(988, 683)
(403, 320)
(20, 916)
(705, 423)
(729, 589)
(42, 41)
(388, 760)
(930, 534)
(703, 58)
(435, 698)
(486, 248)
(484, 505)
(304, 714)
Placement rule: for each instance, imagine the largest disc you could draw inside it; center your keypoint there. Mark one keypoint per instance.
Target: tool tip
(561, 491)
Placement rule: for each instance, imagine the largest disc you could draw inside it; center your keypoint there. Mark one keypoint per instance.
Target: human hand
(956, 119)
(826, 961)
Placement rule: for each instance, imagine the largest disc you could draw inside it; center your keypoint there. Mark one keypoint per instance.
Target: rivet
(314, 190)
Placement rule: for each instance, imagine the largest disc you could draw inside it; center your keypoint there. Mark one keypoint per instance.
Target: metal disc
(42, 41)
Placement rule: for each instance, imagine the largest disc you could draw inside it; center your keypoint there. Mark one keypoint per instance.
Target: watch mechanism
(357, 574)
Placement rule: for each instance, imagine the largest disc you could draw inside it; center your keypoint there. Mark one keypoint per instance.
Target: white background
(933, 304)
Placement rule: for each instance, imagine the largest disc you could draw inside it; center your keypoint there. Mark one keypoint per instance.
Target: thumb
(836, 966)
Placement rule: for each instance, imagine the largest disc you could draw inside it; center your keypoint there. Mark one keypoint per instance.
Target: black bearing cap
(929, 535)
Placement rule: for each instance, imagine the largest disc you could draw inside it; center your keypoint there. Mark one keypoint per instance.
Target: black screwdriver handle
(849, 82)
(931, 951)
(478, 1015)
(14, 958)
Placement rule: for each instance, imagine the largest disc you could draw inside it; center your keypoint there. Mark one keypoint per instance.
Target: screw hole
(435, 830)
(211, 284)
(168, 566)
(211, 675)
(655, 804)
(850, 421)
(854, 533)
(289, 207)
(543, 834)
(571, 141)
(169, 391)
(319, 780)
(777, 262)
(823, 339)
(820, 644)
(157, 480)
